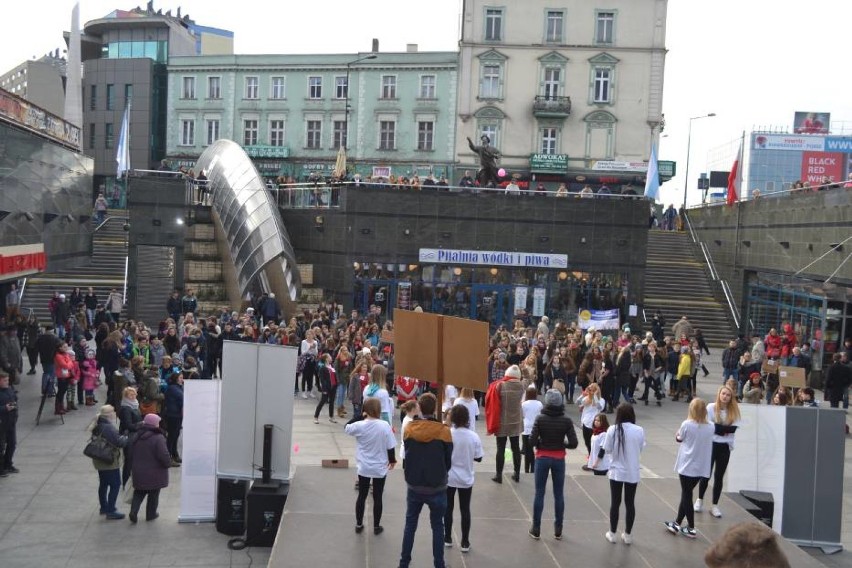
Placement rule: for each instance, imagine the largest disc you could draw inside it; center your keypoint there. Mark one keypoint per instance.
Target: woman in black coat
(837, 380)
(150, 467)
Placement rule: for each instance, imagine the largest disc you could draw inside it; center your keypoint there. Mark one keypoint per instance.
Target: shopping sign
(599, 319)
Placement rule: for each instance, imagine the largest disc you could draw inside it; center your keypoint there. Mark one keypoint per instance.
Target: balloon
(296, 448)
(501, 172)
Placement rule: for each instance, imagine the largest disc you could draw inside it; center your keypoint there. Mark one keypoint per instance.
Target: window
(212, 130)
(250, 132)
(491, 128)
(93, 97)
(214, 87)
(128, 94)
(425, 135)
(109, 135)
(553, 26)
(427, 87)
(252, 87)
(276, 132)
(548, 140)
(110, 96)
(188, 91)
(493, 24)
(313, 134)
(603, 85)
(387, 135)
(314, 87)
(187, 132)
(604, 28)
(339, 134)
(341, 89)
(277, 88)
(490, 87)
(92, 135)
(388, 86)
(552, 81)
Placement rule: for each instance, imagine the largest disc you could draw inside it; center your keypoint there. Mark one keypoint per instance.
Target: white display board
(257, 389)
(200, 444)
(758, 460)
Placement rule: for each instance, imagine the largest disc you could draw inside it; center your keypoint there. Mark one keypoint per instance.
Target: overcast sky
(752, 62)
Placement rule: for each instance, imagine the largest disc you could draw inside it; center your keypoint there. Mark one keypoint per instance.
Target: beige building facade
(564, 89)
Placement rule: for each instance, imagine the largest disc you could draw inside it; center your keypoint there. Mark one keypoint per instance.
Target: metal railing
(552, 104)
(714, 273)
(108, 219)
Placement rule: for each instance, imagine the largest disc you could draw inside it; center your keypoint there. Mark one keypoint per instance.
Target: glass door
(492, 304)
(381, 293)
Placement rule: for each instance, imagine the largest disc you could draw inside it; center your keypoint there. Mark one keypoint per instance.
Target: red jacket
(773, 346)
(406, 388)
(65, 364)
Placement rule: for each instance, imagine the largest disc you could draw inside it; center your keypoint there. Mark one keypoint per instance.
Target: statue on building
(488, 156)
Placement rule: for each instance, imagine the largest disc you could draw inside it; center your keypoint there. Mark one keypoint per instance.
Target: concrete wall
(781, 235)
(370, 226)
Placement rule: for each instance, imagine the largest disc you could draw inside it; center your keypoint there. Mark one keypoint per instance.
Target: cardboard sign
(387, 336)
(769, 367)
(792, 377)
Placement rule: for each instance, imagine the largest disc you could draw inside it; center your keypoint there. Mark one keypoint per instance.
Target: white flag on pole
(122, 156)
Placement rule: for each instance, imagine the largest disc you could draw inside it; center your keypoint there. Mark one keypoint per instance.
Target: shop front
(496, 287)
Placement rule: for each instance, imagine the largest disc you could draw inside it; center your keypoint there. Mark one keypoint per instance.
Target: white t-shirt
(408, 418)
(625, 458)
(375, 438)
(451, 393)
(385, 399)
(589, 411)
(695, 449)
(530, 409)
(597, 443)
(711, 417)
(466, 447)
(310, 348)
(472, 410)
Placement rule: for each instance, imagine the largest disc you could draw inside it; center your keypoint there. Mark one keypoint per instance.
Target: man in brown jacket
(505, 419)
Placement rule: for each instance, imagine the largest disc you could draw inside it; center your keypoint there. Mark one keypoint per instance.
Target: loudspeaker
(264, 514)
(231, 506)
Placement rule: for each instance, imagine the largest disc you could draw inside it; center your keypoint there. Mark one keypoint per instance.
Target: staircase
(677, 285)
(106, 271)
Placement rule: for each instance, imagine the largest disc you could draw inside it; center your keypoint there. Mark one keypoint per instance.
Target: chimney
(411, 47)
(375, 45)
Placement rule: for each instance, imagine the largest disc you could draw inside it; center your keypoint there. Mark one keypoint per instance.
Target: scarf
(597, 431)
(132, 404)
(371, 390)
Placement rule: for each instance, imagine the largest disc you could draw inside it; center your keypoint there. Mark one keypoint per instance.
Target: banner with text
(816, 165)
(599, 319)
(493, 258)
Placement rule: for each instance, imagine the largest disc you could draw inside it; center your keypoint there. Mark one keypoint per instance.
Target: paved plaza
(49, 512)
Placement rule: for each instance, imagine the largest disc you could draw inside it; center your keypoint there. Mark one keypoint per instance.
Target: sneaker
(304, 395)
(716, 512)
(586, 467)
(316, 420)
(497, 479)
(115, 516)
(4, 473)
(610, 536)
(448, 543)
(465, 547)
(359, 529)
(557, 533)
(535, 533)
(626, 538)
(698, 506)
(378, 529)
(132, 517)
(672, 527)
(688, 532)
(13, 469)
(332, 420)
(516, 477)
(312, 395)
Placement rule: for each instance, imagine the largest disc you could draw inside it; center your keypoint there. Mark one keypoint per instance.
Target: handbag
(99, 449)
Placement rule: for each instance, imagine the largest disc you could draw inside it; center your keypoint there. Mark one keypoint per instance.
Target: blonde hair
(732, 409)
(466, 392)
(377, 376)
(591, 390)
(698, 411)
(127, 391)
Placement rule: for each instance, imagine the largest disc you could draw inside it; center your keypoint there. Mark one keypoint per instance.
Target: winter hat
(107, 411)
(152, 420)
(753, 375)
(61, 296)
(90, 352)
(513, 372)
(553, 398)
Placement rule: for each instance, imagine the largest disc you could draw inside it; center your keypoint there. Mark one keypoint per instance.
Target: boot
(58, 410)
(71, 405)
(90, 401)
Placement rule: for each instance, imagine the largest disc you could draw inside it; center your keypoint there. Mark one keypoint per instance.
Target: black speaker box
(265, 507)
(231, 506)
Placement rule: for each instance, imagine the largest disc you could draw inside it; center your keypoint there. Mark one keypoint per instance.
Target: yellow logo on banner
(585, 315)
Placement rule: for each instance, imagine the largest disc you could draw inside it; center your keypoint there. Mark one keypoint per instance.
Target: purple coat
(150, 459)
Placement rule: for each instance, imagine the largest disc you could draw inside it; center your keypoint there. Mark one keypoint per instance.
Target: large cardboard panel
(465, 350)
(792, 377)
(416, 344)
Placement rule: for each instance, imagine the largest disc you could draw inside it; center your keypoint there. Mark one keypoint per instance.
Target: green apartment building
(289, 112)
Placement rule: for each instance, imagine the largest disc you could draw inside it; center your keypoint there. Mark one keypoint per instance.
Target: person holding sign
(724, 414)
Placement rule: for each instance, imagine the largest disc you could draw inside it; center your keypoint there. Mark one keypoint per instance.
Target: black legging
(363, 490)
(308, 376)
(615, 488)
(587, 438)
(173, 426)
(32, 355)
(529, 454)
(687, 485)
(327, 397)
(501, 453)
(464, 508)
(719, 464)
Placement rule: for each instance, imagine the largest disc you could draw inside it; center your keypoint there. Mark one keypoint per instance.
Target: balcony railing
(545, 105)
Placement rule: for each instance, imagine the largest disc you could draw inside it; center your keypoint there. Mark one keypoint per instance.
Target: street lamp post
(688, 147)
(346, 112)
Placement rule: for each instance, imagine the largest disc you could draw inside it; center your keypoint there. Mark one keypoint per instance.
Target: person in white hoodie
(724, 415)
(695, 437)
(590, 404)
